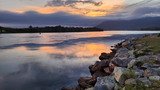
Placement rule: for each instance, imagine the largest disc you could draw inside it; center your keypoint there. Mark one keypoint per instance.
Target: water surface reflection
(51, 61)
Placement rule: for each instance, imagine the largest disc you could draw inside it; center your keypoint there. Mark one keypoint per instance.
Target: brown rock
(87, 82)
(104, 56)
(107, 70)
(99, 74)
(66, 88)
(98, 66)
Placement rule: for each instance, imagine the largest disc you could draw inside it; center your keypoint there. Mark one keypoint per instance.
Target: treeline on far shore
(48, 29)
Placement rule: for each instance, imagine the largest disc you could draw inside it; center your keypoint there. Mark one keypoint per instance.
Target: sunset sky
(73, 12)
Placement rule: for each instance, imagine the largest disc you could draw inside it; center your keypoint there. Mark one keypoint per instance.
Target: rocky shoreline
(133, 64)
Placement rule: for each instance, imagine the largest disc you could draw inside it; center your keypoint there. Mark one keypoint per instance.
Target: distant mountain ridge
(133, 24)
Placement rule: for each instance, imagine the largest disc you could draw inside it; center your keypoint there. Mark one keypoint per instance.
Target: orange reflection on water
(22, 48)
(80, 50)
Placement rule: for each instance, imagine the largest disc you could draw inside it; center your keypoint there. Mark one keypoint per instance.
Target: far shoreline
(48, 29)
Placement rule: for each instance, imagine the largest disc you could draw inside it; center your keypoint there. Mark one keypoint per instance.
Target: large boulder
(121, 62)
(124, 53)
(98, 68)
(105, 83)
(99, 65)
(122, 74)
(118, 74)
(123, 57)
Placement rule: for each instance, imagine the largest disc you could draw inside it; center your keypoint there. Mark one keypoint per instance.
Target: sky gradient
(74, 12)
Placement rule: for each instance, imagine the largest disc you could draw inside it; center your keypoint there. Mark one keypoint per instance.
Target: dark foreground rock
(87, 82)
(104, 56)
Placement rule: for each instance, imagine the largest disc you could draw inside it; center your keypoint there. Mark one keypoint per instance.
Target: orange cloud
(108, 7)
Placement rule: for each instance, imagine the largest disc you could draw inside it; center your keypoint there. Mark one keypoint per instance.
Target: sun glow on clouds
(80, 7)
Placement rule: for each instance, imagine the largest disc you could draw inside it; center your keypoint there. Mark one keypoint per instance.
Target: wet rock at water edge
(87, 82)
(98, 66)
(104, 56)
(66, 88)
(99, 74)
(105, 83)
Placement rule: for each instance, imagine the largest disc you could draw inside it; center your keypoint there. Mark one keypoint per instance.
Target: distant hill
(134, 24)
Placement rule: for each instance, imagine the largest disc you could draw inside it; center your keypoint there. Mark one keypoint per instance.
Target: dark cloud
(141, 3)
(71, 2)
(140, 12)
(146, 10)
(34, 18)
(62, 18)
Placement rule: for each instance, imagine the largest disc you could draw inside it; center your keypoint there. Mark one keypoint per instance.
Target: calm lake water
(51, 61)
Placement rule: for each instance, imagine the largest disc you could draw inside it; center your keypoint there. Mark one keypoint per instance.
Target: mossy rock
(139, 53)
(127, 75)
(135, 87)
(130, 74)
(142, 52)
(156, 84)
(129, 87)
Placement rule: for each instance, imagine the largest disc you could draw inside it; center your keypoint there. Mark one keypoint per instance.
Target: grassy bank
(147, 44)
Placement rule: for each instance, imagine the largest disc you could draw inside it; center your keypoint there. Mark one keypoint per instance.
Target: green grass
(151, 44)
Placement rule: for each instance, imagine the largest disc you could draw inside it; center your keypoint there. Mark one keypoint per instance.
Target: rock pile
(121, 69)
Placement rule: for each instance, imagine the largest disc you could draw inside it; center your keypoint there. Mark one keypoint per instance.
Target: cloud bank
(37, 19)
(72, 17)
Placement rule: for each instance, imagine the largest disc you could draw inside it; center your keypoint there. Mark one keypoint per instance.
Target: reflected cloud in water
(78, 51)
(37, 76)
